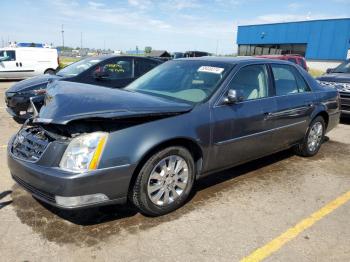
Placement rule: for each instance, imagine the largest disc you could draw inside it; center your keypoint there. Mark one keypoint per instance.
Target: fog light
(80, 200)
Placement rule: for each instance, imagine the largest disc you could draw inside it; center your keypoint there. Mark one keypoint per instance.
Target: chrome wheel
(315, 136)
(168, 180)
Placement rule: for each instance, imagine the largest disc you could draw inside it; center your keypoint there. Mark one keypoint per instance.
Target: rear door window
(288, 80)
(142, 66)
(116, 69)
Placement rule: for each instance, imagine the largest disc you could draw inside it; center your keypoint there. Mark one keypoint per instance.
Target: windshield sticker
(211, 69)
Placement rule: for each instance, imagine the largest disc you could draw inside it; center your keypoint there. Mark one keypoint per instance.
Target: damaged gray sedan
(148, 143)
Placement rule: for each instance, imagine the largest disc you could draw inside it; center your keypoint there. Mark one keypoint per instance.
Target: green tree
(148, 49)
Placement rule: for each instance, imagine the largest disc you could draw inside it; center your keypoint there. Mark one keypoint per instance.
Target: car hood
(29, 83)
(68, 101)
(335, 77)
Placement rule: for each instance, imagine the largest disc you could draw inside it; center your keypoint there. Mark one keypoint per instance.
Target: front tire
(164, 182)
(313, 139)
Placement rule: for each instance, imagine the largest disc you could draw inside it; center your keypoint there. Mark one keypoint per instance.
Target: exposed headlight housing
(84, 152)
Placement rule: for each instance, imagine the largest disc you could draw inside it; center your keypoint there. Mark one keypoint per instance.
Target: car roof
(233, 60)
(104, 57)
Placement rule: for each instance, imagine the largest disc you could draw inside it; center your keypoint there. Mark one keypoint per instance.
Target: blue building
(320, 41)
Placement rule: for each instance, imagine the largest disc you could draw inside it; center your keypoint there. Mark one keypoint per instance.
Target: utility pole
(62, 31)
(81, 40)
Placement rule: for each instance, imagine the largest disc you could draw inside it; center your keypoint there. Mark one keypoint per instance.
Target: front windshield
(78, 67)
(342, 68)
(188, 80)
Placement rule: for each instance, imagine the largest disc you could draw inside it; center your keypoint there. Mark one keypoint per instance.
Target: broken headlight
(84, 152)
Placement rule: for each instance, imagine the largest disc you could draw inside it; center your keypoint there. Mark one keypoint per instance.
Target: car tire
(164, 182)
(313, 139)
(50, 72)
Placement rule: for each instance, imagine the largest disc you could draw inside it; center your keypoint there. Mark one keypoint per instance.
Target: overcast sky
(174, 25)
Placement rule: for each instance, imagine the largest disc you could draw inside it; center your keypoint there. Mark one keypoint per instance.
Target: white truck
(24, 62)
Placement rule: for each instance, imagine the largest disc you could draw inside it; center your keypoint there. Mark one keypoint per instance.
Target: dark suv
(339, 78)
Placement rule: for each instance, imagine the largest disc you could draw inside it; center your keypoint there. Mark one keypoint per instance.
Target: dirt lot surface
(232, 214)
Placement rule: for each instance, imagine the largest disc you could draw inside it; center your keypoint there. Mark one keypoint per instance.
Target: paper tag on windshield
(211, 69)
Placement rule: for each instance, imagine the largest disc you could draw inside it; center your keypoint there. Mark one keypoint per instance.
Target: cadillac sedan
(148, 143)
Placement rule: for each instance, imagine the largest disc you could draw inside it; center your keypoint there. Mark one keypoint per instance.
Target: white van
(24, 62)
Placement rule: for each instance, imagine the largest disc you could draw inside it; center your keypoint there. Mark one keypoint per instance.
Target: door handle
(17, 64)
(20, 64)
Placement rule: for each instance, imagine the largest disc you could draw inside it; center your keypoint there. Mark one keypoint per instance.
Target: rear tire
(313, 139)
(164, 182)
(50, 72)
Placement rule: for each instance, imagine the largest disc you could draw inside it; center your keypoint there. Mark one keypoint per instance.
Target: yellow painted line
(293, 232)
(3, 146)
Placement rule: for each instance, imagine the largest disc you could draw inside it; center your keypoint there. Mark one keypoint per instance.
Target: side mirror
(329, 70)
(233, 96)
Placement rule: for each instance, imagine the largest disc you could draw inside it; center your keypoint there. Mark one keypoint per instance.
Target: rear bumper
(47, 182)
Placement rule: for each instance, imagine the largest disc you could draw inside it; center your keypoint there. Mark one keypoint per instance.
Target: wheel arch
(192, 146)
(49, 69)
(324, 115)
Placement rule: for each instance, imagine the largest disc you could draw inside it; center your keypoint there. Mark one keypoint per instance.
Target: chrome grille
(345, 100)
(30, 144)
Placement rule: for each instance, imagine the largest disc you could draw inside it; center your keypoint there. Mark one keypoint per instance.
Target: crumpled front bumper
(44, 180)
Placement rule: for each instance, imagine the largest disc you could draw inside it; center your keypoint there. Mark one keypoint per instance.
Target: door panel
(242, 131)
(9, 67)
(294, 105)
